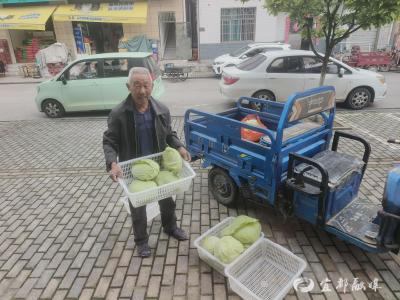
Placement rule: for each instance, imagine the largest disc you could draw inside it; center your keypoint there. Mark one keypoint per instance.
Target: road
(17, 100)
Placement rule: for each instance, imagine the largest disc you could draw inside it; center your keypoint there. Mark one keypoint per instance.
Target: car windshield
(239, 51)
(252, 63)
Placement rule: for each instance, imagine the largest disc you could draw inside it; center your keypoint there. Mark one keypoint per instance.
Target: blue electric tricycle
(295, 167)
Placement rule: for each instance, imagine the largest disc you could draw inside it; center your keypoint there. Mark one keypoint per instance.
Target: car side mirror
(63, 79)
(341, 72)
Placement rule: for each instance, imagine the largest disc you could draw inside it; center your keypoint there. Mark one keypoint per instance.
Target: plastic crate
(157, 193)
(266, 271)
(206, 256)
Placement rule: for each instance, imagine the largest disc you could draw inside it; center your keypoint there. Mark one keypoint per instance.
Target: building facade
(95, 27)
(225, 25)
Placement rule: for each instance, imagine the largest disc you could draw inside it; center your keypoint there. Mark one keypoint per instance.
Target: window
(314, 65)
(251, 63)
(251, 53)
(286, 65)
(84, 70)
(277, 66)
(115, 67)
(239, 51)
(294, 65)
(238, 24)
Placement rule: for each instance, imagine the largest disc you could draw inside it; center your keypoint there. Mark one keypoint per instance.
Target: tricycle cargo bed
(217, 138)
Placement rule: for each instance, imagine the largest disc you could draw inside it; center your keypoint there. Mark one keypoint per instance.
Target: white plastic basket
(157, 193)
(206, 256)
(266, 271)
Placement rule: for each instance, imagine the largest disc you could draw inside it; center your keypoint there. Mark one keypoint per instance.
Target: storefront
(98, 28)
(25, 30)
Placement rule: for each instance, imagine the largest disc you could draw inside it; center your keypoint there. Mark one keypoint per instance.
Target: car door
(285, 76)
(81, 89)
(312, 69)
(113, 82)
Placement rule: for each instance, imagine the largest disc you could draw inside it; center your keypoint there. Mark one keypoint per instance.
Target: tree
(334, 20)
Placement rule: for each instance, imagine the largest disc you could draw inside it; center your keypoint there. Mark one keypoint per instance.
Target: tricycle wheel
(384, 68)
(183, 76)
(222, 186)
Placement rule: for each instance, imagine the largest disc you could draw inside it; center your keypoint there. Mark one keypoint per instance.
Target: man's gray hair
(138, 70)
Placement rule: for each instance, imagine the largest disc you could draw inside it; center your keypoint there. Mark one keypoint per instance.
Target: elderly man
(137, 127)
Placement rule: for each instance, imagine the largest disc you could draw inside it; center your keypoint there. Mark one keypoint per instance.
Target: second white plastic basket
(157, 193)
(265, 272)
(206, 256)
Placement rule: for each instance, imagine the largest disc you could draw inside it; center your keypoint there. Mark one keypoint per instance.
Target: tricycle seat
(344, 179)
(338, 165)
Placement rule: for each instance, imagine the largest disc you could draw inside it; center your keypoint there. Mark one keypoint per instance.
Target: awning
(135, 12)
(31, 18)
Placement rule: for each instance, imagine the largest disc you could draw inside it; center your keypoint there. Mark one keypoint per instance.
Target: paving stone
(154, 286)
(77, 287)
(166, 293)
(139, 293)
(102, 287)
(128, 287)
(62, 220)
(50, 289)
(180, 285)
(119, 276)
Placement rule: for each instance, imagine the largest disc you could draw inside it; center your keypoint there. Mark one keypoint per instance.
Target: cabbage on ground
(139, 185)
(245, 229)
(227, 249)
(209, 243)
(172, 160)
(165, 177)
(145, 169)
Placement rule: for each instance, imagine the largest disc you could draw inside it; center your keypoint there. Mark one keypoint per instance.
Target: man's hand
(184, 153)
(115, 172)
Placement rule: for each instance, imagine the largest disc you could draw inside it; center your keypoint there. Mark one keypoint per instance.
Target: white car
(239, 55)
(277, 75)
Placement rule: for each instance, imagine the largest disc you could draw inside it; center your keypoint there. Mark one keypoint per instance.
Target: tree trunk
(305, 44)
(323, 70)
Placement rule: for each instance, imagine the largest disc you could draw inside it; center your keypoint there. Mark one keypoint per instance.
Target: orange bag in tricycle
(252, 135)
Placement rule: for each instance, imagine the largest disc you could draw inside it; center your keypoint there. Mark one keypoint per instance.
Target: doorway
(100, 37)
(167, 25)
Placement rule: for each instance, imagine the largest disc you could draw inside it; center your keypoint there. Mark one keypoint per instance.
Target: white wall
(268, 27)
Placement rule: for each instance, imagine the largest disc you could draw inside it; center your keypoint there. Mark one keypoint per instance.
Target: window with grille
(238, 24)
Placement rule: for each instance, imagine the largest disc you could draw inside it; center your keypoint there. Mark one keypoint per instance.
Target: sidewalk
(65, 235)
(198, 70)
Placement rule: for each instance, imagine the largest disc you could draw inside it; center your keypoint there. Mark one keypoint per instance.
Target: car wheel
(359, 98)
(222, 186)
(265, 95)
(53, 109)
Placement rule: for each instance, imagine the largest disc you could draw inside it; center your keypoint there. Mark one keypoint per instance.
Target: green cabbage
(139, 185)
(243, 228)
(165, 177)
(172, 160)
(227, 249)
(209, 243)
(145, 169)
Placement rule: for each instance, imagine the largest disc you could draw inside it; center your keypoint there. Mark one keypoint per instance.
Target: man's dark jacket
(120, 141)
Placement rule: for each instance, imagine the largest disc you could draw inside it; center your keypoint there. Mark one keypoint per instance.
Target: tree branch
(310, 39)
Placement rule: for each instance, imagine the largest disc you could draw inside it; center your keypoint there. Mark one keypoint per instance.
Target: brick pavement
(64, 234)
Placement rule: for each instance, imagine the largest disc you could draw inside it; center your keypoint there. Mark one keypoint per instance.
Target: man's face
(140, 87)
